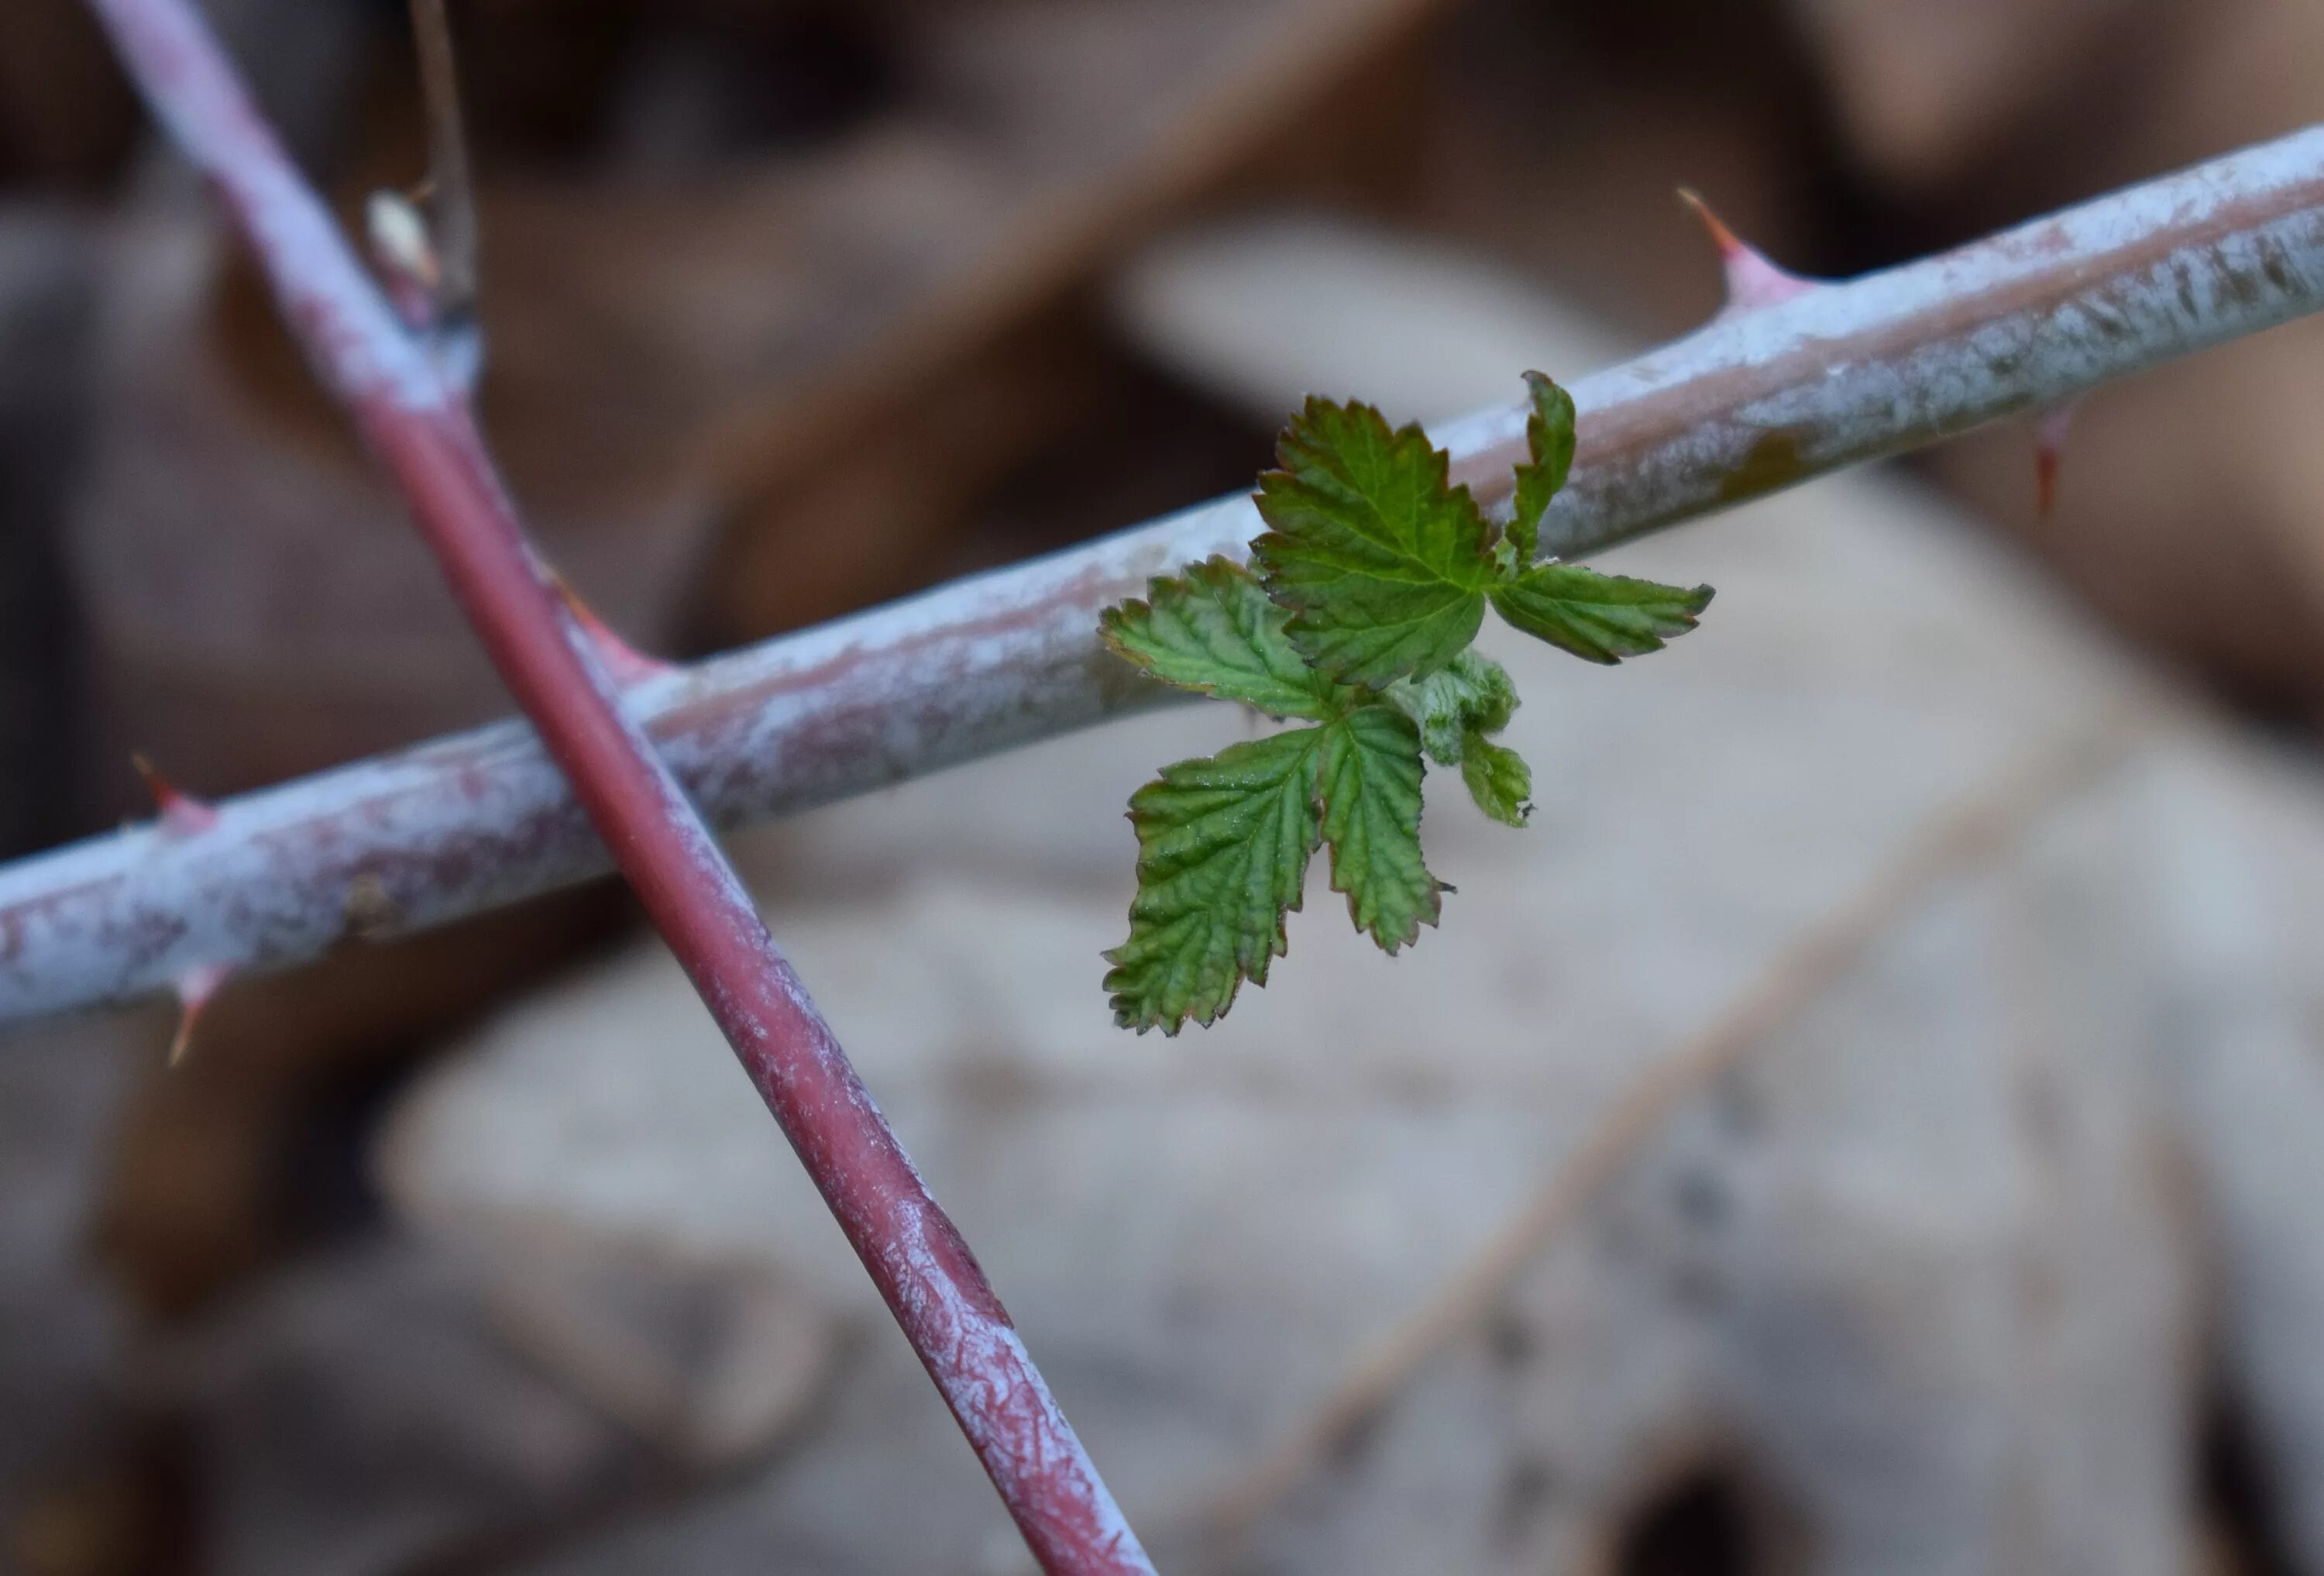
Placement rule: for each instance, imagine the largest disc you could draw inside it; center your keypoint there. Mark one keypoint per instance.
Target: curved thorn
(182, 815)
(195, 988)
(2050, 430)
(626, 665)
(1752, 281)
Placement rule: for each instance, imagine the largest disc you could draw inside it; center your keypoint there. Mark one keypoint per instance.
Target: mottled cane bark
(1782, 386)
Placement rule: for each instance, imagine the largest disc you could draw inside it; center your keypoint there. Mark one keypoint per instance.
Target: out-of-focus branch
(1755, 402)
(451, 188)
(416, 419)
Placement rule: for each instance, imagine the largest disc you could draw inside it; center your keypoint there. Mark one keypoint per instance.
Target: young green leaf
(1473, 693)
(1371, 583)
(1457, 710)
(1600, 618)
(1214, 629)
(1382, 564)
(1499, 780)
(1372, 819)
(1224, 845)
(1549, 433)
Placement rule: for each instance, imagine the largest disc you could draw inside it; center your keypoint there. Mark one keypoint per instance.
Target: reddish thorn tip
(2049, 432)
(195, 988)
(182, 815)
(1752, 281)
(624, 663)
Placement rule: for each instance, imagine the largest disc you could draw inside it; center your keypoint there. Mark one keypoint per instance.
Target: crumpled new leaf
(1473, 691)
(1458, 710)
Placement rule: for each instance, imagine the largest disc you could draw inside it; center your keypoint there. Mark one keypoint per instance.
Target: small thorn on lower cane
(2049, 432)
(1752, 281)
(182, 815)
(624, 663)
(194, 989)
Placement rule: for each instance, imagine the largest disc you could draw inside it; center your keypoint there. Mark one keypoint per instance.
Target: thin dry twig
(451, 187)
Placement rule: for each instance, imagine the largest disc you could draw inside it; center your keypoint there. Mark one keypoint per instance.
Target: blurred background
(1871, 1121)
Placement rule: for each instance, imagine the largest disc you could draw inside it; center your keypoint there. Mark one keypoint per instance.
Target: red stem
(420, 428)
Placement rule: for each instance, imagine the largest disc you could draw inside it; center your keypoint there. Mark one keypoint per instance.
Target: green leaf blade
(1380, 561)
(1549, 433)
(1600, 618)
(1498, 778)
(1223, 846)
(1371, 772)
(1214, 629)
